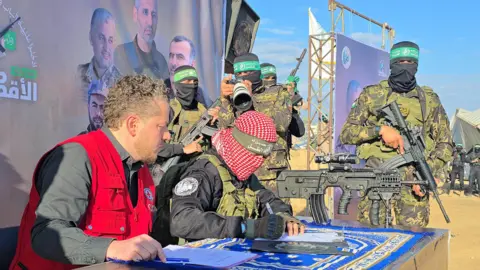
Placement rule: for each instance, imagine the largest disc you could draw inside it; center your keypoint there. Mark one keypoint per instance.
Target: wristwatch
(377, 130)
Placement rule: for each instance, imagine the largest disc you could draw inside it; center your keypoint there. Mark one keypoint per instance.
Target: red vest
(109, 213)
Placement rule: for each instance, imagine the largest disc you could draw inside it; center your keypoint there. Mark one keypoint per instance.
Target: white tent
(465, 126)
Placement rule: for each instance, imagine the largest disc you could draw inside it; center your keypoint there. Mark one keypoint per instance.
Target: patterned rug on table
(373, 249)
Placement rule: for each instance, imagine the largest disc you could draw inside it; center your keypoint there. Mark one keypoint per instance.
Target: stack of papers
(213, 258)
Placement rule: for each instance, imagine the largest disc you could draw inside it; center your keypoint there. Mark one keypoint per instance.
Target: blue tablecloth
(373, 249)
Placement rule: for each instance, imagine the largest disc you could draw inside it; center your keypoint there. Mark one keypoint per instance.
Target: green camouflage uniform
(183, 120)
(360, 129)
(275, 102)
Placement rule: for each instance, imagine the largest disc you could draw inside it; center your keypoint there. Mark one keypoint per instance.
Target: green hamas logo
(10, 40)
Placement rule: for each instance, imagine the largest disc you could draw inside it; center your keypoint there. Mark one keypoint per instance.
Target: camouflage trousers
(410, 210)
(272, 185)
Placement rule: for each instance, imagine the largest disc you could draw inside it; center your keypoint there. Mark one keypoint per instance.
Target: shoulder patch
(186, 187)
(148, 194)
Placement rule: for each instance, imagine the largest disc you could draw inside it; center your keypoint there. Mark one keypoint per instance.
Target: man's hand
(418, 191)
(268, 227)
(248, 84)
(213, 112)
(193, 147)
(226, 89)
(293, 225)
(139, 248)
(392, 138)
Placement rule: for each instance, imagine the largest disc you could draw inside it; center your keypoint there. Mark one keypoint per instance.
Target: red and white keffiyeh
(241, 161)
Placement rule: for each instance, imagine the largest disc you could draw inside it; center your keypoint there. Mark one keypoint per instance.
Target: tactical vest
(183, 120)
(234, 201)
(458, 161)
(264, 103)
(412, 109)
(109, 213)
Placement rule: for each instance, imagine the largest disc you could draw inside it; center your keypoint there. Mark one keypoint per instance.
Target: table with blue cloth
(373, 248)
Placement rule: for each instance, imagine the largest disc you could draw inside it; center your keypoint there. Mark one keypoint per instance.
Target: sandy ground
(463, 212)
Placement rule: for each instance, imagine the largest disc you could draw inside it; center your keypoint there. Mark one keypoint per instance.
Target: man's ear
(90, 37)
(132, 123)
(135, 13)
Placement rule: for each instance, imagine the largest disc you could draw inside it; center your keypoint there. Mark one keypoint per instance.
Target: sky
(447, 33)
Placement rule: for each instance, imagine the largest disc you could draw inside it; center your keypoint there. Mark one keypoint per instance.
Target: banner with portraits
(357, 66)
(61, 57)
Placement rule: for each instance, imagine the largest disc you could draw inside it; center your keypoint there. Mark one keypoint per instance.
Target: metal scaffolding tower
(320, 105)
(320, 113)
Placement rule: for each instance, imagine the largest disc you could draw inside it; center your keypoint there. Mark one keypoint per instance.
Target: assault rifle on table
(200, 128)
(311, 184)
(297, 99)
(378, 184)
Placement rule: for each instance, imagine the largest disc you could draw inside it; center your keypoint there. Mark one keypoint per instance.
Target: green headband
(404, 52)
(186, 73)
(269, 70)
(246, 66)
(252, 143)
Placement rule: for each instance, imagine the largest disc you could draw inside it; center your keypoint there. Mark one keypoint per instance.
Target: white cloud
(278, 31)
(368, 38)
(265, 21)
(278, 51)
(455, 90)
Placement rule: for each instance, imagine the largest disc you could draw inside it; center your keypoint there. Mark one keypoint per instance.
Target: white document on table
(215, 258)
(318, 237)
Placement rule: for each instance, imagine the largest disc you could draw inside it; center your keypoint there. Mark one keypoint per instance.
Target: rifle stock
(200, 128)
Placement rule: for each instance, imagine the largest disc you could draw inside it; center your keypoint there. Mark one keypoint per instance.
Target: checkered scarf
(241, 161)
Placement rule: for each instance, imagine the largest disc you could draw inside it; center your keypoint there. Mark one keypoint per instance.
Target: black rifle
(379, 184)
(200, 128)
(296, 99)
(5, 30)
(376, 184)
(414, 146)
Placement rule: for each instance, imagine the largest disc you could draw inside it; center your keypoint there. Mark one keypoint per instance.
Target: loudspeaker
(242, 25)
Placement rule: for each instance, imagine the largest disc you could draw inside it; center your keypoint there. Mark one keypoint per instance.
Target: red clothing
(109, 213)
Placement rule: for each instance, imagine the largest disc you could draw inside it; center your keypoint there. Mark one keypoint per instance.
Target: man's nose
(167, 136)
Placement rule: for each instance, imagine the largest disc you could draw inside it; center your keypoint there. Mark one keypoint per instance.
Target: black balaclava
(186, 93)
(268, 69)
(476, 148)
(402, 76)
(248, 62)
(459, 146)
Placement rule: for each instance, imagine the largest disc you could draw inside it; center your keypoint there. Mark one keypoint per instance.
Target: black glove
(268, 227)
(288, 218)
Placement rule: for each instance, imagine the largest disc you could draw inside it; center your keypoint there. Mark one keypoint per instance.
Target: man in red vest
(92, 196)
